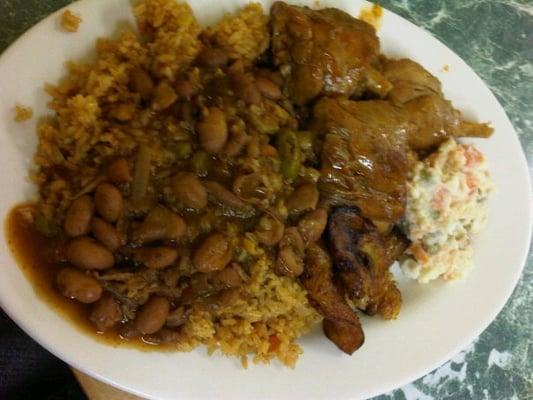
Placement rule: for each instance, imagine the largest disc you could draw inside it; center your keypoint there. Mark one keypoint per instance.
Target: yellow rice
(70, 22)
(22, 113)
(273, 311)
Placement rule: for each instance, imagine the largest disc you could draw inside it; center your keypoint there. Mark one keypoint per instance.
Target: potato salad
(446, 207)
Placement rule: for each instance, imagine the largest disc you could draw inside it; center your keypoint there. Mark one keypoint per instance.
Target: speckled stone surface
(495, 37)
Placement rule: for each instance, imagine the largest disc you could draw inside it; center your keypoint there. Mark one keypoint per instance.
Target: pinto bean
(159, 224)
(74, 284)
(212, 130)
(228, 277)
(155, 257)
(106, 234)
(268, 150)
(304, 198)
(165, 336)
(289, 263)
(228, 200)
(78, 217)
(273, 76)
(184, 88)
(224, 298)
(213, 57)
(189, 190)
(312, 225)
(105, 313)
(109, 202)
(129, 331)
(213, 254)
(119, 171)
(290, 254)
(86, 253)
(176, 317)
(244, 87)
(152, 315)
(251, 188)
(269, 230)
(268, 88)
(236, 66)
(236, 144)
(199, 286)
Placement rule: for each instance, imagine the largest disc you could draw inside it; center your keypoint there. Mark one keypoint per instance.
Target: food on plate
(341, 324)
(235, 185)
(70, 22)
(326, 52)
(372, 15)
(364, 159)
(362, 257)
(22, 113)
(446, 206)
(431, 117)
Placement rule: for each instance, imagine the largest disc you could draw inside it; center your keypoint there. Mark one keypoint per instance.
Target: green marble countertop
(495, 37)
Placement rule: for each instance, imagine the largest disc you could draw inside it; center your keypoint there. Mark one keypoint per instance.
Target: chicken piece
(376, 83)
(341, 324)
(346, 336)
(433, 118)
(409, 80)
(363, 160)
(362, 258)
(321, 51)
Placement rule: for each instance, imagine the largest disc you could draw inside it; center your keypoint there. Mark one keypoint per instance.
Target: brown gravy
(37, 256)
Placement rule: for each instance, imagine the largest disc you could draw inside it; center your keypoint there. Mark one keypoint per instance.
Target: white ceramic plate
(436, 321)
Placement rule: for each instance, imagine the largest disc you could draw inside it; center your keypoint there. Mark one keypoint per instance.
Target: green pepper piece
(289, 152)
(182, 150)
(305, 140)
(200, 162)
